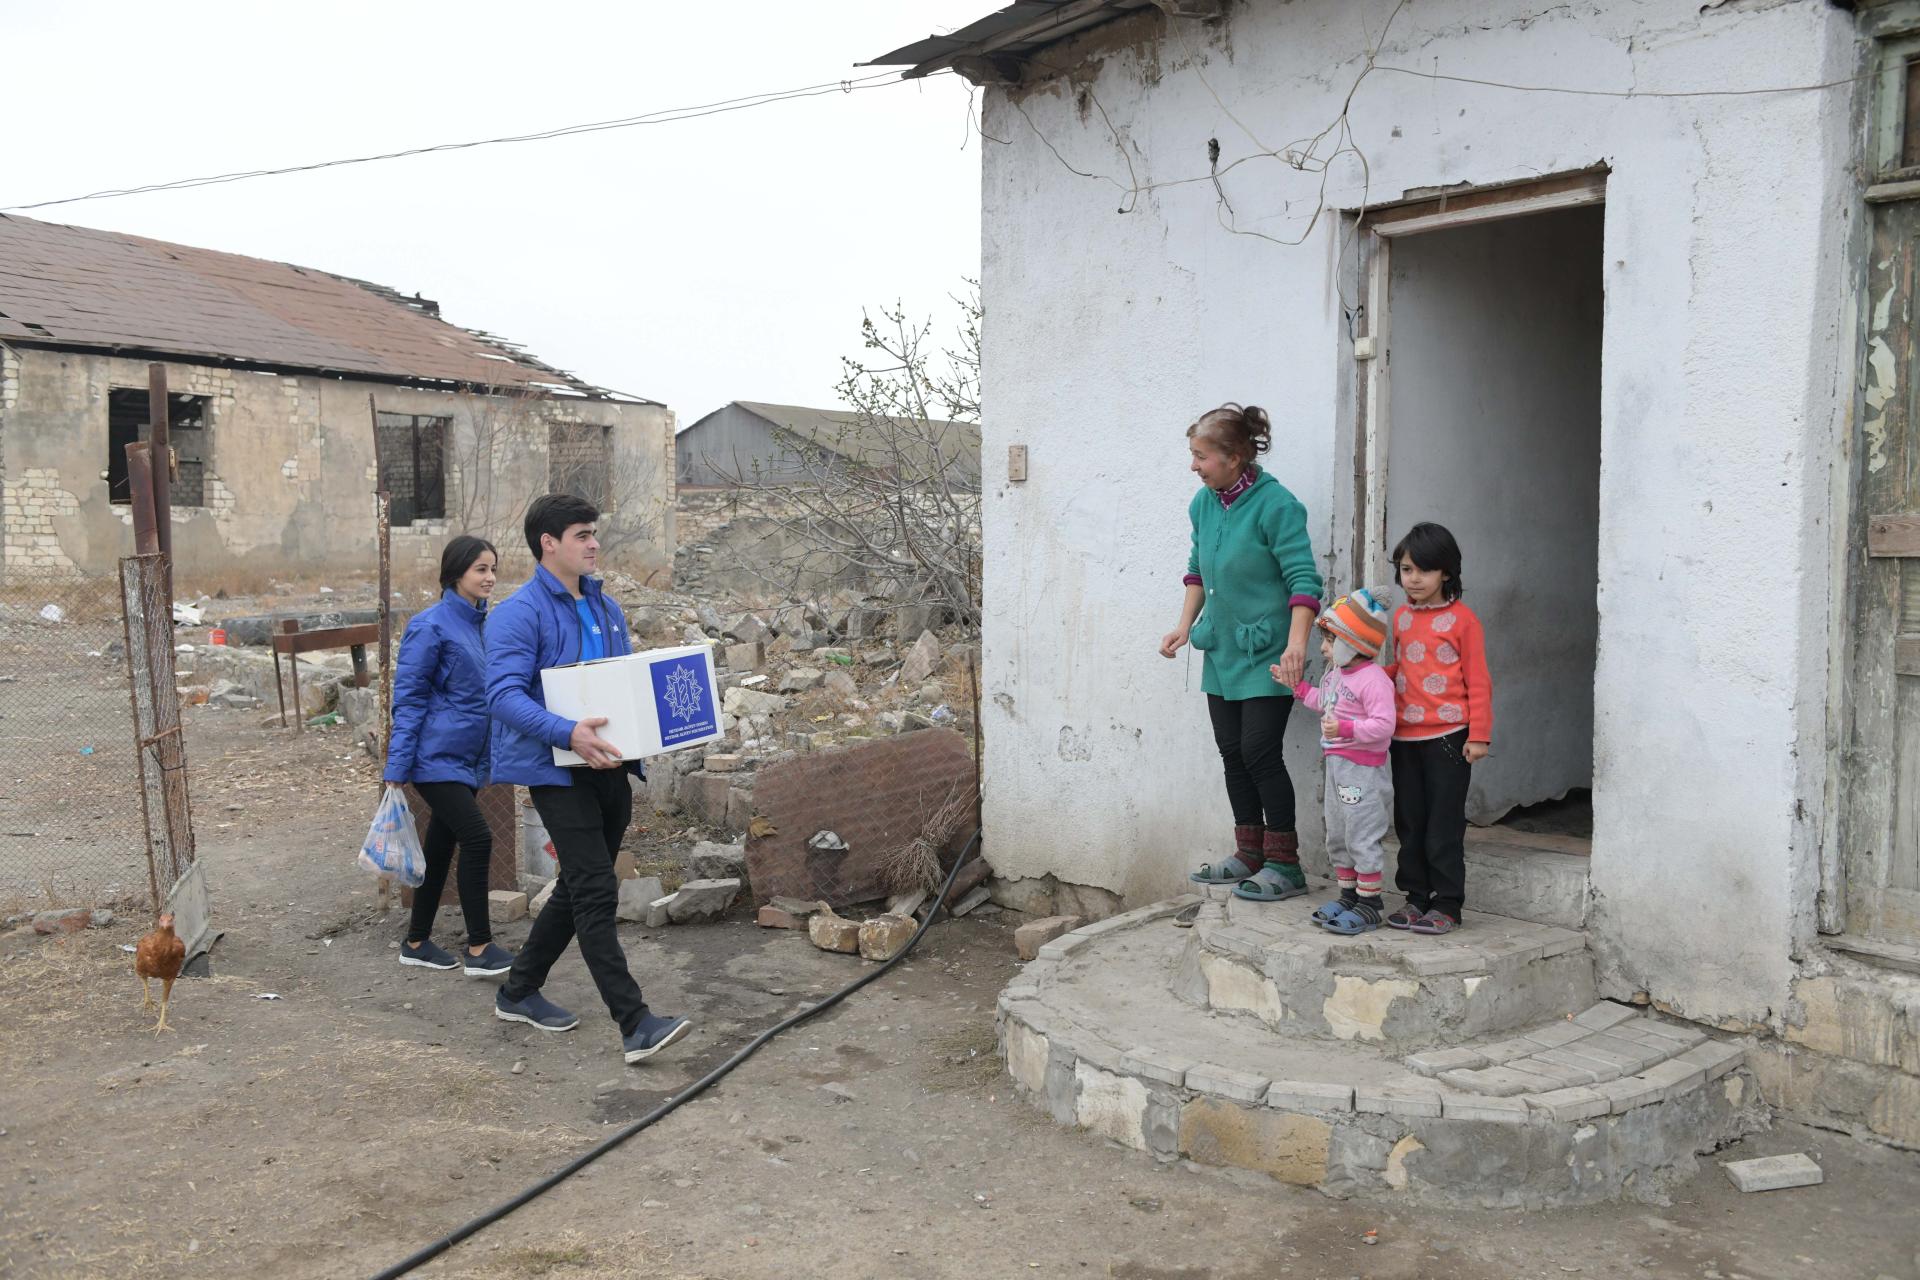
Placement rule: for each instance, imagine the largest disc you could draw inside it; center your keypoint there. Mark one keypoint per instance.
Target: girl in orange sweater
(1445, 724)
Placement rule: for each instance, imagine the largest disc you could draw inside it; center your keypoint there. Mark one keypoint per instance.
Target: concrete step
(1269, 961)
(1528, 877)
(1091, 1033)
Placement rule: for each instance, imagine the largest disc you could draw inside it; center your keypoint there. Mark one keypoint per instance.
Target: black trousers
(456, 820)
(1430, 782)
(586, 822)
(1248, 733)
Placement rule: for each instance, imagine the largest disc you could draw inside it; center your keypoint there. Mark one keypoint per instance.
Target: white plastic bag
(392, 846)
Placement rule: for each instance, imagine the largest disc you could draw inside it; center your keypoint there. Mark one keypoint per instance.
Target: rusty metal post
(146, 533)
(160, 436)
(178, 881)
(135, 634)
(383, 517)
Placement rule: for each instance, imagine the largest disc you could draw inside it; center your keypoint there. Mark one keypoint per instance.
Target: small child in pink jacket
(1355, 700)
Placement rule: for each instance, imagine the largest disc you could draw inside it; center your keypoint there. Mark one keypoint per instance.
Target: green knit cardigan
(1254, 558)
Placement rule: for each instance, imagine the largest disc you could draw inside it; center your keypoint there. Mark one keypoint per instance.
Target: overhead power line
(669, 115)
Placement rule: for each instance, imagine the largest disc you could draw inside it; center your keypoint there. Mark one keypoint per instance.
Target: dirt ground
(371, 1108)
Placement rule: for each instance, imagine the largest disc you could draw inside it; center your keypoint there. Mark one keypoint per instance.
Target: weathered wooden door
(1880, 814)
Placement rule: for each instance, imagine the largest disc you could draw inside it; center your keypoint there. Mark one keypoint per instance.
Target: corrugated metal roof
(77, 287)
(1009, 33)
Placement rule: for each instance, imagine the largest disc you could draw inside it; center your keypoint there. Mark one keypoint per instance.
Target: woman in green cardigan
(1252, 592)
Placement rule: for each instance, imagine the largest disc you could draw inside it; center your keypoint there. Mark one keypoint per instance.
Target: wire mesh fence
(71, 827)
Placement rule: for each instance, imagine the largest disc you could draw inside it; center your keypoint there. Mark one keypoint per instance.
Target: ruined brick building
(280, 378)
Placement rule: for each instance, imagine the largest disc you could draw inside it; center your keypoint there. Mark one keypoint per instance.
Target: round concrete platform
(1589, 1104)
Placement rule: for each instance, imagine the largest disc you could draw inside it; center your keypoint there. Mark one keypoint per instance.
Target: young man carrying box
(562, 616)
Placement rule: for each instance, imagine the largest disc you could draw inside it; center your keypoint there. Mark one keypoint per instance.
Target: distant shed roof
(870, 443)
(71, 287)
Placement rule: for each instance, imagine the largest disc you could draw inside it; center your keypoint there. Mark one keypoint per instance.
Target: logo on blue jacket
(682, 699)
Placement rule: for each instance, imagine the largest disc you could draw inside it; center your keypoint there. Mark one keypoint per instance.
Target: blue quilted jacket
(440, 721)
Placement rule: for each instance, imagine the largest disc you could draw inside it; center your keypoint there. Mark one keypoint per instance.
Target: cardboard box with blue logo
(658, 701)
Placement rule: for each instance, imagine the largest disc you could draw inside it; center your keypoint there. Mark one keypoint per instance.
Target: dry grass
(915, 865)
(964, 1059)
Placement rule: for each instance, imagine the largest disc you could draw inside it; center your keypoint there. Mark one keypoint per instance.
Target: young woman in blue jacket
(439, 744)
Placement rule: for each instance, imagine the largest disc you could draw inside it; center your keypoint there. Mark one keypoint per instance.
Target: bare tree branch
(893, 497)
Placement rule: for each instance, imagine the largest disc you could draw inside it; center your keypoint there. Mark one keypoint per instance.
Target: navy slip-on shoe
(535, 1010)
(652, 1034)
(427, 956)
(490, 963)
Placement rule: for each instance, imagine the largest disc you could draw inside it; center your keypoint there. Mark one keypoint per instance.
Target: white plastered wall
(1721, 409)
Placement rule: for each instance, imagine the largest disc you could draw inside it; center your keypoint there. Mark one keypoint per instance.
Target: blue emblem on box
(683, 699)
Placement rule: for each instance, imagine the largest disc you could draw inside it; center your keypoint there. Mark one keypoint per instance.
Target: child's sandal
(1352, 920)
(1404, 916)
(1433, 923)
(1268, 885)
(1322, 914)
(1232, 871)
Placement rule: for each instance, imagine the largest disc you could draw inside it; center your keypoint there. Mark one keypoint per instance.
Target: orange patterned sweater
(1439, 672)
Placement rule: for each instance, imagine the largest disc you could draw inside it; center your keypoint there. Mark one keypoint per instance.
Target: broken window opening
(580, 461)
(413, 454)
(128, 420)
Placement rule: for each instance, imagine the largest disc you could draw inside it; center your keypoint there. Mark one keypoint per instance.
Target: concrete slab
(1775, 1173)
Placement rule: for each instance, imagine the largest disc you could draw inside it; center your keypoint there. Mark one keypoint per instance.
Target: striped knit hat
(1360, 619)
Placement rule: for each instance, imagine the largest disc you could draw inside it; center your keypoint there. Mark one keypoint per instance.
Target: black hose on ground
(692, 1091)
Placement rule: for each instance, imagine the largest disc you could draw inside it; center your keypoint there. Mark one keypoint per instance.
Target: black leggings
(1248, 733)
(456, 817)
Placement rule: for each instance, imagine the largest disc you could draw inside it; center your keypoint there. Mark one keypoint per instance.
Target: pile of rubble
(798, 678)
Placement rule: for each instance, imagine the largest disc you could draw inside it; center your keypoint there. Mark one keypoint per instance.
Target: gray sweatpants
(1359, 809)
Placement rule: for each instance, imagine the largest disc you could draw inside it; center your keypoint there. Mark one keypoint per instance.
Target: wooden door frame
(1889, 35)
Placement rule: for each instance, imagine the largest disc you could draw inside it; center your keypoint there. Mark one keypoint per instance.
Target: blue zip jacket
(538, 627)
(440, 721)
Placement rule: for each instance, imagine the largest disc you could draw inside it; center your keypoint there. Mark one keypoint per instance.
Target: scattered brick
(830, 932)
(885, 936)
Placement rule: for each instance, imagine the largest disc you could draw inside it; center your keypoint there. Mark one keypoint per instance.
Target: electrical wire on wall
(1305, 154)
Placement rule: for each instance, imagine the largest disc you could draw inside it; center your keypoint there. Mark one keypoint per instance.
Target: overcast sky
(719, 259)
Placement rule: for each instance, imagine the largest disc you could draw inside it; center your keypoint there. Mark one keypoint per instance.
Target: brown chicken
(159, 955)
